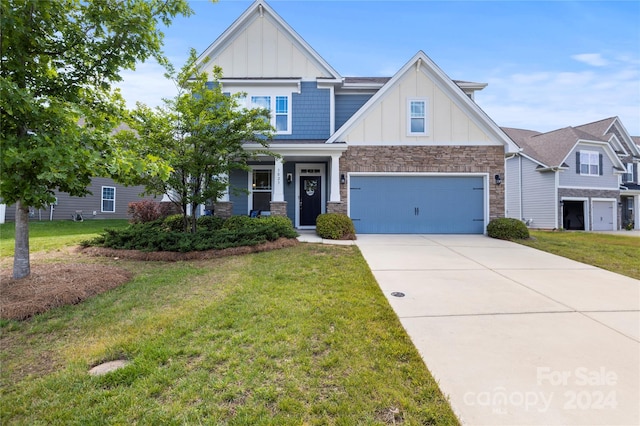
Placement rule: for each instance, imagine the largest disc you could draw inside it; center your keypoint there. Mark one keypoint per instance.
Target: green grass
(47, 236)
(617, 253)
(295, 336)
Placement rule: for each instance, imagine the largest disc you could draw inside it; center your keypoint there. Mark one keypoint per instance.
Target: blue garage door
(417, 204)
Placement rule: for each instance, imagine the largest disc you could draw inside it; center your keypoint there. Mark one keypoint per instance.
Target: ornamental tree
(58, 109)
(201, 132)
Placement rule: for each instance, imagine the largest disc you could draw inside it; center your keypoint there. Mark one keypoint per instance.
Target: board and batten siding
(67, 205)
(571, 179)
(262, 50)
(385, 122)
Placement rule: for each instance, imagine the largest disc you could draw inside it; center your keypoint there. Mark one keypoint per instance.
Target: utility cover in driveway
(417, 204)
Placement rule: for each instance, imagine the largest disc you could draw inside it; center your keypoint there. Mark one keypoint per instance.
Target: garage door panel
(603, 216)
(417, 204)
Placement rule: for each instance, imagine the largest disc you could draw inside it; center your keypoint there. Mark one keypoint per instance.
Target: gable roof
(552, 148)
(607, 129)
(426, 65)
(260, 8)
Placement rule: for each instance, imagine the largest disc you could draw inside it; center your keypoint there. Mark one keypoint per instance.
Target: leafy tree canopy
(58, 110)
(202, 132)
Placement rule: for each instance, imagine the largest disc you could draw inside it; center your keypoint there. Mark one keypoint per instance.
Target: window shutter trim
(578, 162)
(600, 168)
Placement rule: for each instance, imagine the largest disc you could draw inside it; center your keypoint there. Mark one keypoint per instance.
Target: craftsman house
(411, 153)
(576, 178)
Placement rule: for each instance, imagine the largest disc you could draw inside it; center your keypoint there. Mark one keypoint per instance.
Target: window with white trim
(417, 117)
(589, 163)
(108, 199)
(261, 189)
(279, 106)
(628, 177)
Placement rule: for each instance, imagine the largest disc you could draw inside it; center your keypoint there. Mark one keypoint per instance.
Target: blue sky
(549, 64)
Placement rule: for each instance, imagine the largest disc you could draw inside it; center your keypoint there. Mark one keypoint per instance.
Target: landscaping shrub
(149, 237)
(505, 228)
(174, 223)
(211, 223)
(147, 211)
(335, 226)
(239, 222)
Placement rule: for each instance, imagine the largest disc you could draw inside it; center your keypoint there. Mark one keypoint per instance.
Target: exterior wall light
(343, 179)
(498, 179)
(289, 178)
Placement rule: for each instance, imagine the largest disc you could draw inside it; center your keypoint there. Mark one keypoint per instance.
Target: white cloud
(147, 84)
(593, 59)
(551, 100)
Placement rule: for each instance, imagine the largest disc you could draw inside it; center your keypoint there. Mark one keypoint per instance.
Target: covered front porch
(301, 183)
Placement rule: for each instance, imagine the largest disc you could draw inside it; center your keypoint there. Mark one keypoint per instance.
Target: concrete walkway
(515, 336)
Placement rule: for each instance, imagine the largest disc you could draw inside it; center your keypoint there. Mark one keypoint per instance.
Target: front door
(310, 199)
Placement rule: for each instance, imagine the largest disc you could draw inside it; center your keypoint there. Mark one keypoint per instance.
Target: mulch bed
(51, 285)
(56, 284)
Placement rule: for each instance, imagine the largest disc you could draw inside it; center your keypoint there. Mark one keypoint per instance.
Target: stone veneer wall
(428, 159)
(278, 208)
(223, 209)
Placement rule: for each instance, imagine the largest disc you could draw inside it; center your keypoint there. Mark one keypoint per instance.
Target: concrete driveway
(513, 335)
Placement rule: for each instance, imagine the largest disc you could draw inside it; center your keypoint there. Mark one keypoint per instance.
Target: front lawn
(52, 235)
(617, 253)
(295, 336)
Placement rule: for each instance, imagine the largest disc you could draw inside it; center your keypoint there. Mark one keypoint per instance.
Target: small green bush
(505, 228)
(174, 223)
(211, 223)
(335, 226)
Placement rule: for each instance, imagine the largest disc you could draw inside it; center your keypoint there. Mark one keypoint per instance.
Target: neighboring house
(412, 153)
(577, 178)
(109, 200)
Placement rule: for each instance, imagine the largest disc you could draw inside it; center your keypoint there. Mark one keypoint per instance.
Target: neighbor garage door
(603, 215)
(417, 204)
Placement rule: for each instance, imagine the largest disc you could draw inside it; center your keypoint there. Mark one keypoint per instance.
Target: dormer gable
(261, 45)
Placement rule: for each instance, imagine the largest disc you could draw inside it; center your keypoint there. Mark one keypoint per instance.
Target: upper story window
(108, 199)
(589, 163)
(279, 108)
(417, 117)
(628, 177)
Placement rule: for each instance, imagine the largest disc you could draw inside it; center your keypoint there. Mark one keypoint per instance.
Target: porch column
(334, 196)
(278, 182)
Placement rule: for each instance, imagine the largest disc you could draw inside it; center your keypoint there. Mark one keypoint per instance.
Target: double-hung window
(279, 108)
(589, 163)
(417, 117)
(108, 199)
(629, 175)
(261, 188)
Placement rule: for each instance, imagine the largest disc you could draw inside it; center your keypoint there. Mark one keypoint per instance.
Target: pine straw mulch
(52, 285)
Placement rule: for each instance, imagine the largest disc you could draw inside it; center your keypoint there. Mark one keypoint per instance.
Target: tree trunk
(194, 219)
(21, 265)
